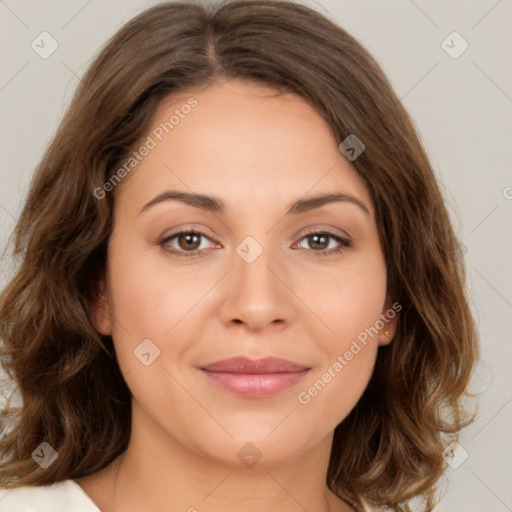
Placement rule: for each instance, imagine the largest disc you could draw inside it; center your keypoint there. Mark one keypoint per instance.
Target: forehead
(242, 141)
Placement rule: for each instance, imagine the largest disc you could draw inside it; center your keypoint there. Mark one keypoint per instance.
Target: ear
(389, 317)
(102, 318)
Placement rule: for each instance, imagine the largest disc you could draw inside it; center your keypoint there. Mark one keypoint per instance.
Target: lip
(255, 378)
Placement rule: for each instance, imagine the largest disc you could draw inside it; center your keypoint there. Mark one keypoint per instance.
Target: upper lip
(254, 366)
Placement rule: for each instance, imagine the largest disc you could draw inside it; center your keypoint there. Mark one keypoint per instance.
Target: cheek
(145, 306)
(151, 303)
(348, 298)
(158, 301)
(350, 303)
(149, 295)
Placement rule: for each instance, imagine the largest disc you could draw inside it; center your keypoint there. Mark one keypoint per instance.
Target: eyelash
(344, 244)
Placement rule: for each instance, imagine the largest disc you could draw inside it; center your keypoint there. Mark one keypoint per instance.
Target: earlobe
(101, 311)
(385, 337)
(389, 316)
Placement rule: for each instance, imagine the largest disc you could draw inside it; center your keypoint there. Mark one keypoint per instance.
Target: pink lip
(255, 377)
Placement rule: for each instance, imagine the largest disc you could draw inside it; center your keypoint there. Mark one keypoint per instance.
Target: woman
(239, 287)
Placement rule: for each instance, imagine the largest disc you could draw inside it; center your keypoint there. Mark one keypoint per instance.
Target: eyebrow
(216, 205)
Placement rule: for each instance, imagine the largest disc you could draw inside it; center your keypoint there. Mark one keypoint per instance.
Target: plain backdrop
(461, 102)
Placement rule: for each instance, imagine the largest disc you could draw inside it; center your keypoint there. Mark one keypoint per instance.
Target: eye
(189, 243)
(186, 242)
(320, 242)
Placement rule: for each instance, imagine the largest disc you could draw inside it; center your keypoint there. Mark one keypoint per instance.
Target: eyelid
(331, 230)
(189, 228)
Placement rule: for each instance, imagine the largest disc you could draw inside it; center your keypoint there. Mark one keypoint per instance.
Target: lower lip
(255, 386)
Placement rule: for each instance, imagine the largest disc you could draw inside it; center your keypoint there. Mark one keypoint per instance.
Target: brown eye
(319, 242)
(185, 243)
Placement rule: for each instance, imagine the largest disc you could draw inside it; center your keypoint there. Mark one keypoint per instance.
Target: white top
(66, 496)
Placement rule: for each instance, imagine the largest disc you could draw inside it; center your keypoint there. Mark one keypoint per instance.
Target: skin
(257, 151)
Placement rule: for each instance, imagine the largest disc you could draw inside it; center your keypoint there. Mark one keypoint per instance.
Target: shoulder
(63, 496)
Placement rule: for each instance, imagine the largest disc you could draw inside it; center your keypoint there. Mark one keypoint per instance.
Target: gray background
(462, 107)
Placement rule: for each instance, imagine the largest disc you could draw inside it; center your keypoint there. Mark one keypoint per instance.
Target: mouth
(254, 378)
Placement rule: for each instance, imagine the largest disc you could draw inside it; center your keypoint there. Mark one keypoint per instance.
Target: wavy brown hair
(389, 448)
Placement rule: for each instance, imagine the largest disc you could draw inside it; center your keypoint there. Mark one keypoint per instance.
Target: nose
(257, 293)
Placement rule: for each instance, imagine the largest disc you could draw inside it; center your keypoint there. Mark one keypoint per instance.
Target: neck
(157, 474)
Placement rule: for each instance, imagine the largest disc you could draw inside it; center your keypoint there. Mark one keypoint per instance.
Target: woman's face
(260, 271)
